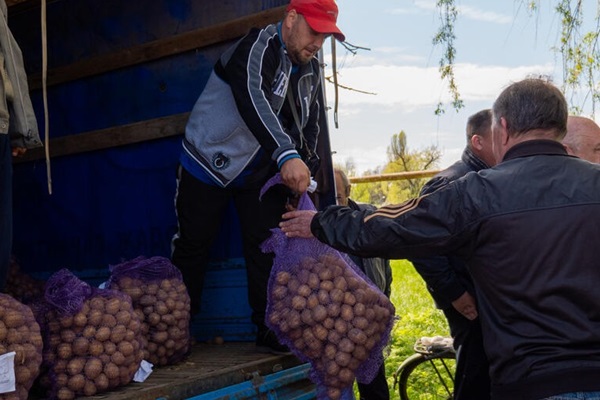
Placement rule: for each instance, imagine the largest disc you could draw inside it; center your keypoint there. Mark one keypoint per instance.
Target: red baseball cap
(321, 15)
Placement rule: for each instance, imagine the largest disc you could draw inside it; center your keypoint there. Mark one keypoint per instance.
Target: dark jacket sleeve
(377, 269)
(441, 273)
(437, 224)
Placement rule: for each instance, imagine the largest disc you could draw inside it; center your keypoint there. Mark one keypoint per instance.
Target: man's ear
(476, 142)
(569, 149)
(290, 17)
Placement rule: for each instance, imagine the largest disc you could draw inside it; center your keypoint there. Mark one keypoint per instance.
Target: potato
(76, 383)
(64, 393)
(89, 388)
(103, 333)
(93, 368)
(13, 318)
(80, 346)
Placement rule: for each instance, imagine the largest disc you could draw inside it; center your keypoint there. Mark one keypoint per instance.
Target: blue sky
(497, 42)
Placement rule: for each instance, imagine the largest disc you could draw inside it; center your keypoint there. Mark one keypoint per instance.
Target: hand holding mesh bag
(325, 310)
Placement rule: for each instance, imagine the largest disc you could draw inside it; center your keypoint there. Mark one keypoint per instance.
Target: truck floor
(209, 367)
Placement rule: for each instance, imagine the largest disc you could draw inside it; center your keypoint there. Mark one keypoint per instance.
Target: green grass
(417, 317)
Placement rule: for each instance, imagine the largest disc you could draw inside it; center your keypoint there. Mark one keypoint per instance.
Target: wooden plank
(10, 3)
(397, 176)
(208, 368)
(111, 137)
(157, 49)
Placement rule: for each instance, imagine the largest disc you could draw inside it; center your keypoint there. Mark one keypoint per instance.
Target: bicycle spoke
(428, 379)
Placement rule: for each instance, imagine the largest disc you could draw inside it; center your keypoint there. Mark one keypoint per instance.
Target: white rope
(45, 95)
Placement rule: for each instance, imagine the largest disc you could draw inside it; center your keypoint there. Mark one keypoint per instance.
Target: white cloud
(465, 11)
(485, 16)
(406, 98)
(376, 55)
(426, 4)
(411, 86)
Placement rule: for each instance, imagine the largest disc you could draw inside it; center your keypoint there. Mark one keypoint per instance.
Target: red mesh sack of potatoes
(160, 298)
(92, 338)
(20, 333)
(326, 311)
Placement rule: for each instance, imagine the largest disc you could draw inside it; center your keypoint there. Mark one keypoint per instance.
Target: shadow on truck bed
(233, 370)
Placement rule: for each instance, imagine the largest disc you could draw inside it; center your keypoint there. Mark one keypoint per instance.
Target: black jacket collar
(535, 147)
(472, 161)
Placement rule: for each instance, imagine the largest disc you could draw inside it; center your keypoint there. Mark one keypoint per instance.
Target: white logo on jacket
(281, 84)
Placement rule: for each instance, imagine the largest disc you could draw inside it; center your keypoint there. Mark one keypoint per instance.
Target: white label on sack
(143, 371)
(7, 372)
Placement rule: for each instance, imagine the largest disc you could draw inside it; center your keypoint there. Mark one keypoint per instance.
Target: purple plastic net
(146, 269)
(325, 310)
(66, 292)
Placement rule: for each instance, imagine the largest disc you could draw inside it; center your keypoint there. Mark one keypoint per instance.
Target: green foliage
(445, 37)
(577, 48)
(400, 159)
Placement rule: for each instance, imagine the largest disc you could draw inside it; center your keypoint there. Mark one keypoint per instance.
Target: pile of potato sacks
(76, 340)
(19, 332)
(92, 341)
(331, 317)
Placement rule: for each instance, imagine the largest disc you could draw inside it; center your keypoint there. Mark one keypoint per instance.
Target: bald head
(583, 139)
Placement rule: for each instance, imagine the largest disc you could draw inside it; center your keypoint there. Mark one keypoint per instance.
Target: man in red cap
(257, 115)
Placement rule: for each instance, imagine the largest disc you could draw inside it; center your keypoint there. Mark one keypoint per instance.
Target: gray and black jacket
(243, 119)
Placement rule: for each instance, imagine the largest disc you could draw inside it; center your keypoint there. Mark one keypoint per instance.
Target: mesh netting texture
(326, 311)
(161, 300)
(19, 332)
(92, 338)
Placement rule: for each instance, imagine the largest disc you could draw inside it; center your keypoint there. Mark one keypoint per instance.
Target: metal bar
(397, 176)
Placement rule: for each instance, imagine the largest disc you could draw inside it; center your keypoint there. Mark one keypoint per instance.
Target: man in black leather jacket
(448, 280)
(379, 271)
(528, 229)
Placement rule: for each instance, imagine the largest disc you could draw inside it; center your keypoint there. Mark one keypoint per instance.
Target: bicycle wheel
(427, 377)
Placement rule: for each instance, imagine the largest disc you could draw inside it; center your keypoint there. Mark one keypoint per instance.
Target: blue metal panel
(111, 205)
(225, 311)
(290, 384)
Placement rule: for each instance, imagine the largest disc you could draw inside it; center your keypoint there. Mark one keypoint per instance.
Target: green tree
(400, 159)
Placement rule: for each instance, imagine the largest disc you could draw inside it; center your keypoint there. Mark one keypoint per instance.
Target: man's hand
(466, 305)
(18, 151)
(297, 223)
(295, 175)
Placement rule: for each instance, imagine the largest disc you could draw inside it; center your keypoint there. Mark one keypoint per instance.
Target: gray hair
(532, 104)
